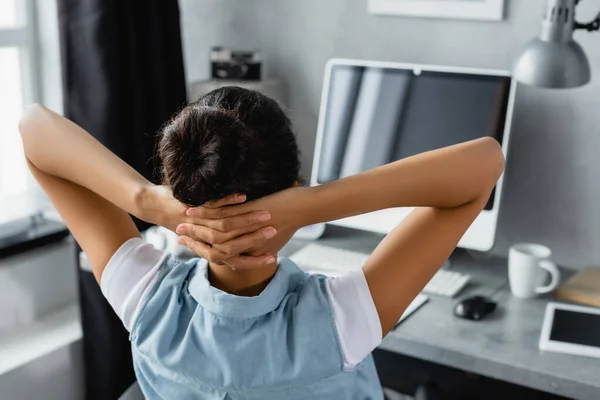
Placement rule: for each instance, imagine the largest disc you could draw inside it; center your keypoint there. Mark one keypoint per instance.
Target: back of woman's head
(231, 140)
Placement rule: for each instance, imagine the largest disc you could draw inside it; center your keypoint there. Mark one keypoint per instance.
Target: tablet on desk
(571, 329)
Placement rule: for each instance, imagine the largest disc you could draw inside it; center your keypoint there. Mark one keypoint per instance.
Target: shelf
(40, 338)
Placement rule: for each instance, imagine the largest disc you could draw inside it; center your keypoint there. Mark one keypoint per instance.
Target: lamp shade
(552, 64)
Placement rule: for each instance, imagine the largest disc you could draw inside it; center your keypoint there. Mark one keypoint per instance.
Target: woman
(217, 328)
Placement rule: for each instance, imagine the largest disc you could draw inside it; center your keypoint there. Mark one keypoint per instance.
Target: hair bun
(231, 140)
(206, 145)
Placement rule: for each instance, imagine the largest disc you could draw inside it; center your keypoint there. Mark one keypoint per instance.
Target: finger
(202, 233)
(203, 250)
(246, 242)
(249, 262)
(241, 224)
(226, 201)
(218, 213)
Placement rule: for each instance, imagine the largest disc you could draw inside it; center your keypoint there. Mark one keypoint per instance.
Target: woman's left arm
(94, 191)
(60, 148)
(91, 188)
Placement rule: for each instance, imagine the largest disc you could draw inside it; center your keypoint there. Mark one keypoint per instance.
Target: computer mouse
(474, 308)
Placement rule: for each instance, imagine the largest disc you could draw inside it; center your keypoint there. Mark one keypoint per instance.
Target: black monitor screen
(378, 115)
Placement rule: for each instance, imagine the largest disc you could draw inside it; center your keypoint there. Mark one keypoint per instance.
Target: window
(18, 87)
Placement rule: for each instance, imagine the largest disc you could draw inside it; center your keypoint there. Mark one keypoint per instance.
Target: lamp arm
(591, 26)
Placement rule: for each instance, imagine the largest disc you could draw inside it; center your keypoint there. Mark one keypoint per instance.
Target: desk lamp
(554, 59)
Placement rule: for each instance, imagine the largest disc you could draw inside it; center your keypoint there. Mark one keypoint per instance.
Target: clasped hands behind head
(243, 235)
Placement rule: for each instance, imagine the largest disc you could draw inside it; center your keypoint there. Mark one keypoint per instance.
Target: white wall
(552, 189)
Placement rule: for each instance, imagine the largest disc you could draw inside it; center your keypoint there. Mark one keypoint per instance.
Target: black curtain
(123, 79)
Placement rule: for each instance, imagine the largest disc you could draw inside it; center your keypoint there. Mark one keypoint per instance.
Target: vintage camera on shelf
(235, 65)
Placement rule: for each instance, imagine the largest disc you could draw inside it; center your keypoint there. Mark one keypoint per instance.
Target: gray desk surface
(504, 346)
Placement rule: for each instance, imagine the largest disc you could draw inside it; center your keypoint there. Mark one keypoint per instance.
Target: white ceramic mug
(528, 266)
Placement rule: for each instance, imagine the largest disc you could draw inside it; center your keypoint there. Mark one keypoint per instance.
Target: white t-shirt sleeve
(129, 276)
(355, 316)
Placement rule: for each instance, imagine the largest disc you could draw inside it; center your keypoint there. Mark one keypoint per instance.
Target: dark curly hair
(232, 140)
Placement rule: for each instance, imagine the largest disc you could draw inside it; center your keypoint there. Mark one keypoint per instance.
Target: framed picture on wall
(487, 10)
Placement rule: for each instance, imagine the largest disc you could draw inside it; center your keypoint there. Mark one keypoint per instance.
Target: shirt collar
(286, 278)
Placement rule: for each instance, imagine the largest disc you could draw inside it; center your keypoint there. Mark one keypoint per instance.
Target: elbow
(497, 160)
(27, 124)
(494, 162)
(29, 116)
(489, 169)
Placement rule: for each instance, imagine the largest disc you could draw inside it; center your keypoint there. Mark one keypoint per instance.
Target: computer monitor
(373, 113)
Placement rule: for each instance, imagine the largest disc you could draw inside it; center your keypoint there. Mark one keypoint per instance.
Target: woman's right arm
(450, 187)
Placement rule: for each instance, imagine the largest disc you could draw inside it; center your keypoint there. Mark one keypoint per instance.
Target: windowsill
(33, 235)
(27, 221)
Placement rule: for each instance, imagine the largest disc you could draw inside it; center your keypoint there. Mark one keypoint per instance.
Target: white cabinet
(40, 330)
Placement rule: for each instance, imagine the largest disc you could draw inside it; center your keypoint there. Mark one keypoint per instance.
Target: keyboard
(447, 283)
(325, 260)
